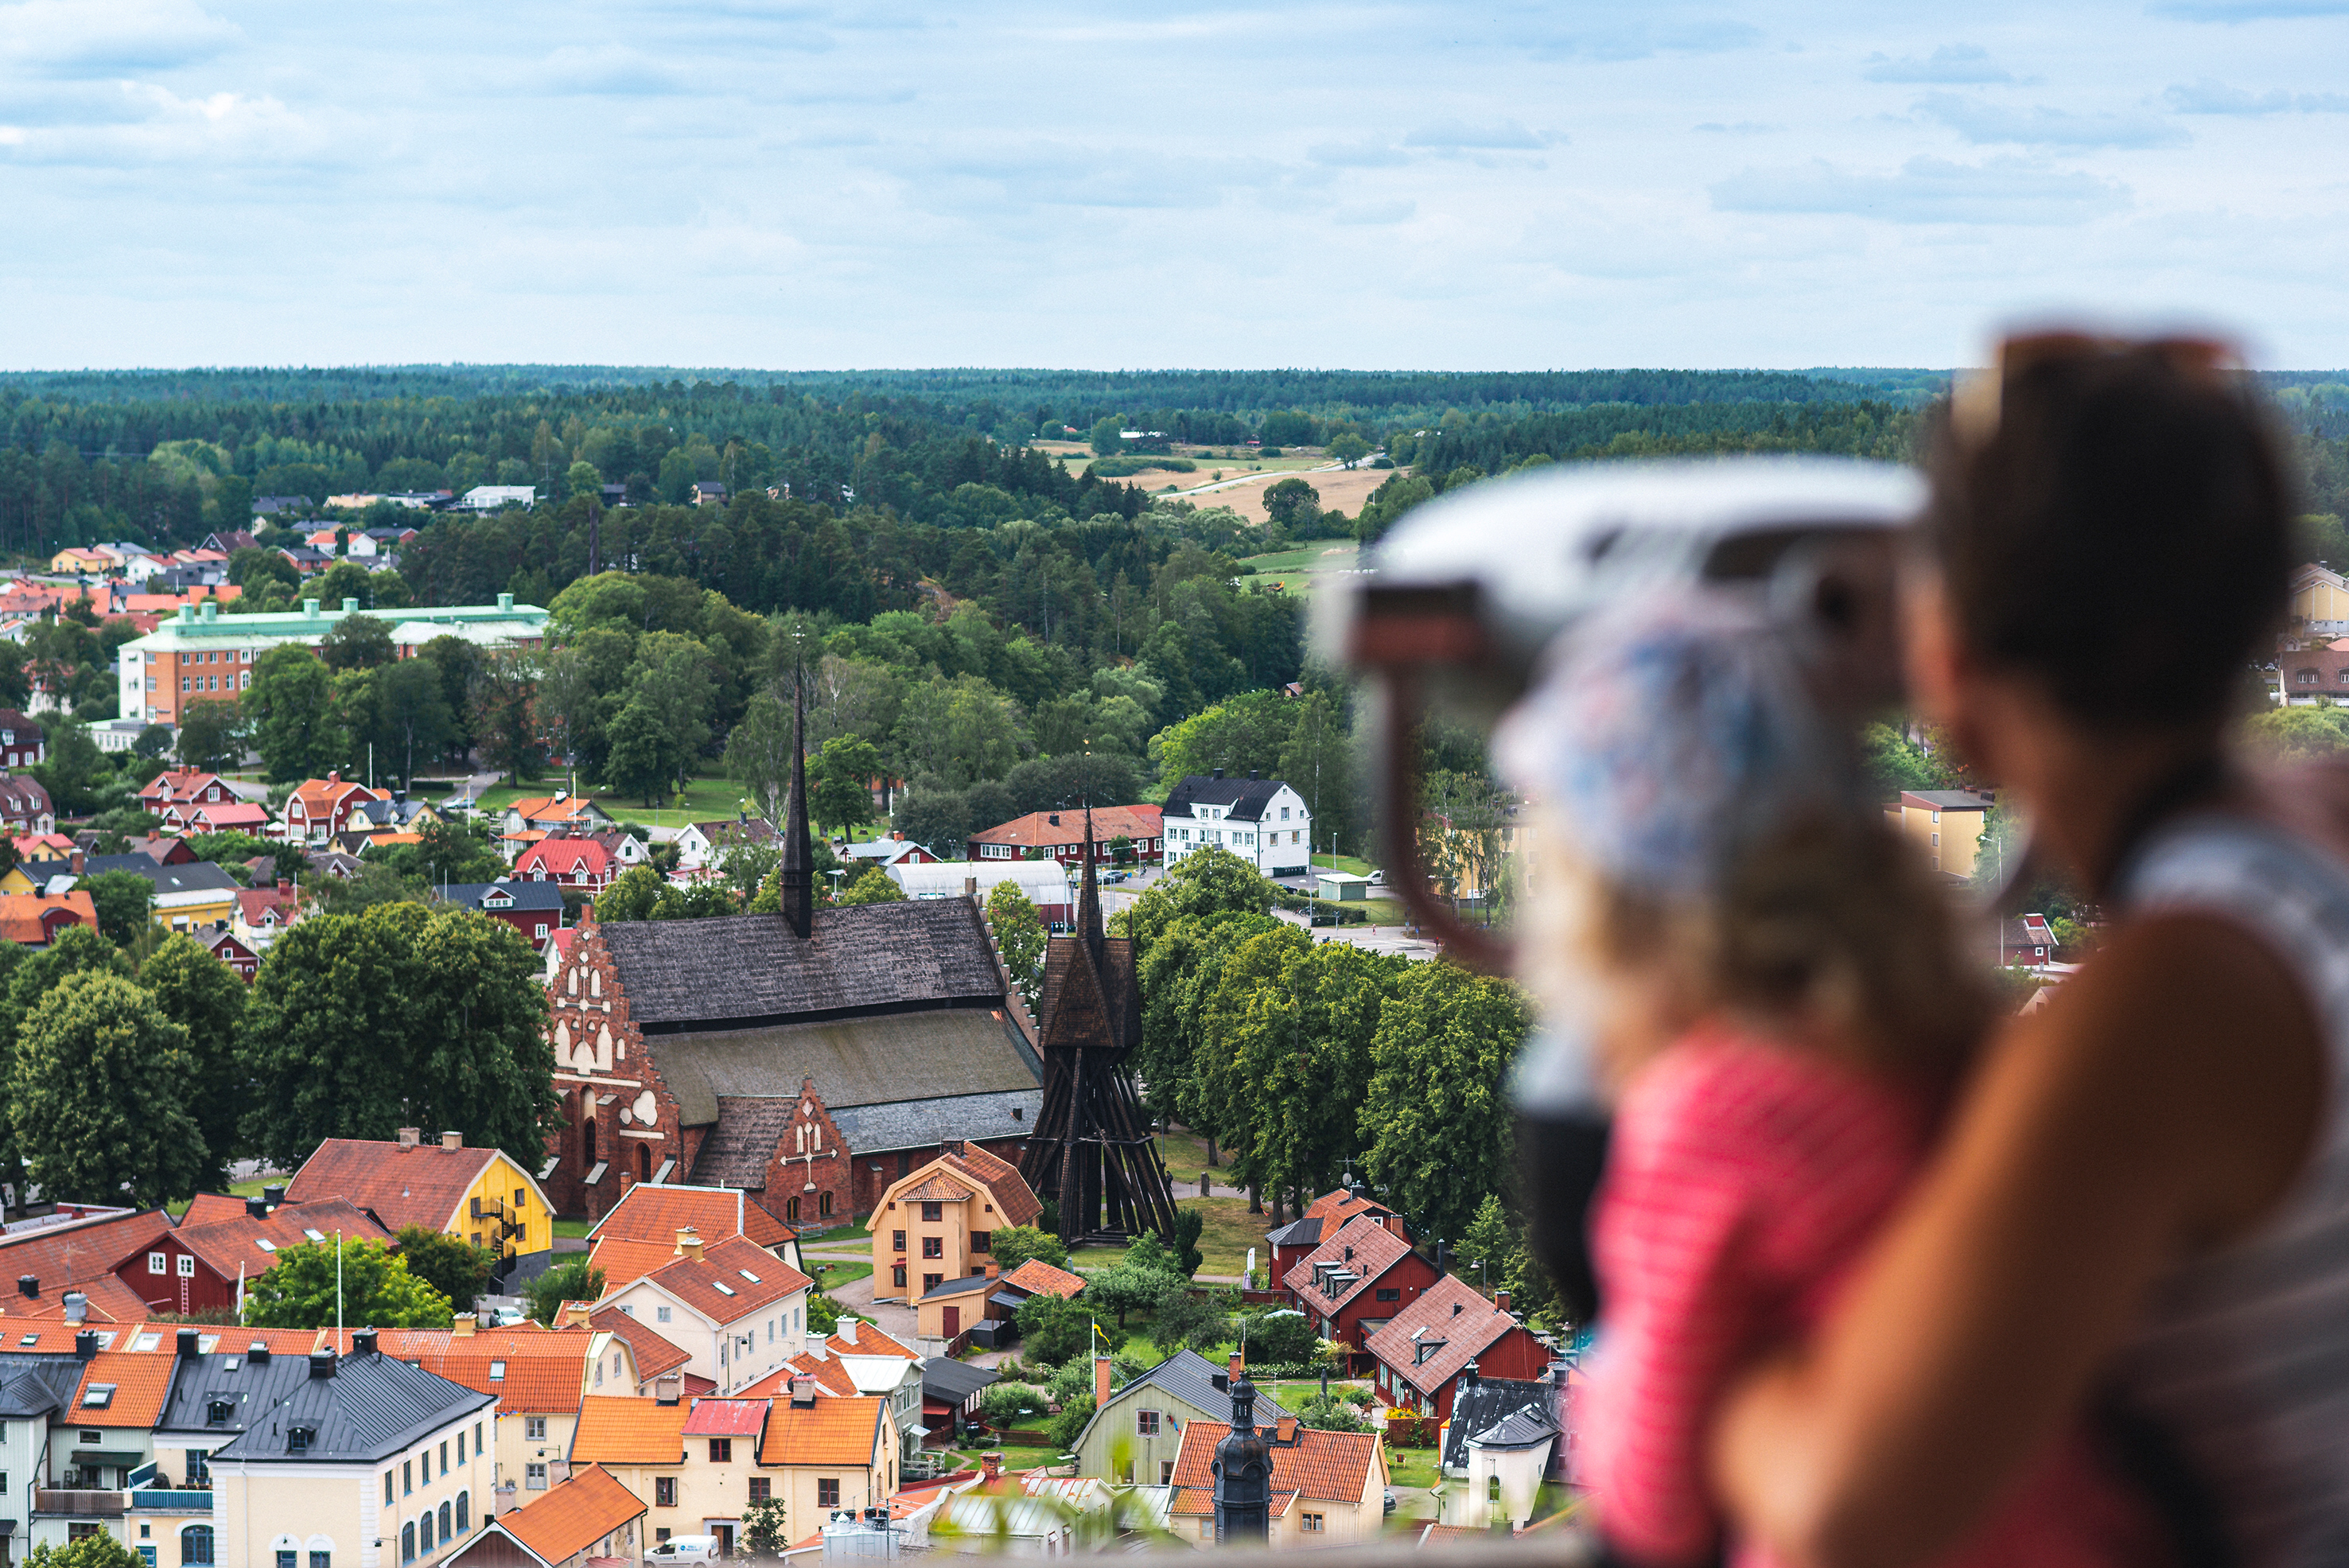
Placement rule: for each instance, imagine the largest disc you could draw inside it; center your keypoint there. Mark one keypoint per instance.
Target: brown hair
(2113, 518)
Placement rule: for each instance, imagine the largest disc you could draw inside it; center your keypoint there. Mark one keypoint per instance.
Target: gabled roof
(625, 1262)
(122, 1389)
(1449, 1310)
(547, 808)
(404, 1186)
(725, 1417)
(727, 829)
(1246, 798)
(1945, 799)
(951, 1381)
(253, 904)
(961, 1287)
(1037, 1277)
(1340, 1205)
(650, 1211)
(1501, 1411)
(1330, 1465)
(564, 856)
(23, 916)
(530, 1369)
(34, 1384)
(832, 1431)
(1191, 1377)
(22, 794)
(571, 1517)
(628, 1432)
(960, 1177)
(1365, 1251)
(75, 1254)
(654, 1355)
(731, 1279)
(230, 1240)
(1040, 830)
(507, 895)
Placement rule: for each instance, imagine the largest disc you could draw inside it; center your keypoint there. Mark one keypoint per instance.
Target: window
(407, 1477)
(291, 1557)
(97, 1396)
(824, 1200)
(444, 1456)
(660, 1315)
(299, 1438)
(199, 1470)
(664, 1491)
(321, 1559)
(408, 1542)
(147, 1555)
(934, 1246)
(792, 1211)
(980, 1240)
(1389, 1295)
(827, 1494)
(761, 1488)
(1145, 1423)
(1167, 1472)
(534, 1428)
(387, 1488)
(660, 1535)
(447, 1511)
(932, 1212)
(156, 1263)
(461, 1448)
(187, 1266)
(721, 1451)
(897, 1275)
(464, 1514)
(534, 1478)
(1312, 1524)
(424, 1532)
(897, 1241)
(2306, 677)
(196, 1546)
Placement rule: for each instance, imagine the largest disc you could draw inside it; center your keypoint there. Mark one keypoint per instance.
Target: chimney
(85, 1344)
(991, 1467)
(1239, 1366)
(896, 838)
(257, 1353)
(272, 1195)
(187, 1342)
(322, 1363)
(257, 1208)
(668, 1388)
(970, 887)
(1054, 819)
(846, 1329)
(1468, 1374)
(1215, 773)
(1100, 1381)
(575, 1315)
(76, 862)
(409, 1136)
(688, 1243)
(1254, 773)
(363, 1342)
(1501, 1300)
(463, 1326)
(452, 1140)
(333, 775)
(77, 1307)
(29, 1287)
(285, 886)
(802, 1388)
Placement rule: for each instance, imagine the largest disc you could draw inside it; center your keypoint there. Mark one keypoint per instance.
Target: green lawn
(848, 1232)
(832, 1274)
(1353, 863)
(1226, 1232)
(705, 799)
(574, 1229)
(1296, 569)
(1185, 1155)
(1014, 1460)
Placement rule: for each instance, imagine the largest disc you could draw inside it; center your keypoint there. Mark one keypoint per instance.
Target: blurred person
(2139, 1211)
(1772, 986)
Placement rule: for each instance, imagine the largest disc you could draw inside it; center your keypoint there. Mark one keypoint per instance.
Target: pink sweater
(1744, 1179)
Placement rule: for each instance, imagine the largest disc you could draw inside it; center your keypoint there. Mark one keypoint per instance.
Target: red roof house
(1423, 1350)
(1061, 834)
(1353, 1283)
(320, 808)
(573, 862)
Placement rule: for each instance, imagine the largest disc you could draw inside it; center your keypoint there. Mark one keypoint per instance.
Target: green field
(1297, 569)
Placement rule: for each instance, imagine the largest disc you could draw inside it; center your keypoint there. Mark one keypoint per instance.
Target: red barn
(1424, 1350)
(1352, 1284)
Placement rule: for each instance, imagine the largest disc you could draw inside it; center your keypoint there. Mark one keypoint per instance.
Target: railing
(79, 1504)
(167, 1499)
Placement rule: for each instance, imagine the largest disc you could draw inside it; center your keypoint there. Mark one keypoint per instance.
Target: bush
(575, 1280)
(1070, 1423)
(1054, 1329)
(1009, 1404)
(1279, 1335)
(1015, 1244)
(1331, 1413)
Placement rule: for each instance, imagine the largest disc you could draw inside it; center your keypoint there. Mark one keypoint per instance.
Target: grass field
(574, 1229)
(1186, 1156)
(831, 1273)
(1303, 568)
(848, 1232)
(1226, 1232)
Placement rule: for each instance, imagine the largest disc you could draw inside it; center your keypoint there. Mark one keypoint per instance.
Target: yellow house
(697, 1466)
(342, 1461)
(1946, 824)
(73, 559)
(2320, 601)
(932, 1225)
(480, 1194)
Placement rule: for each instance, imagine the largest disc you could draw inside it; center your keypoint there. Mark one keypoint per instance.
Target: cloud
(1356, 155)
(607, 70)
(1926, 190)
(1375, 213)
(2039, 125)
(103, 38)
(1950, 62)
(1452, 136)
(152, 125)
(2211, 96)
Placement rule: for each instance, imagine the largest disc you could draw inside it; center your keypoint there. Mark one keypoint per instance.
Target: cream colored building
(1946, 824)
(1329, 1489)
(2320, 601)
(735, 1308)
(932, 1224)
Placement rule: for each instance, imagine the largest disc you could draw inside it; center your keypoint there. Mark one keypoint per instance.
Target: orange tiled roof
(651, 1212)
(1037, 1277)
(940, 1187)
(830, 1432)
(628, 1432)
(139, 1380)
(419, 1186)
(1331, 1465)
(206, 1208)
(735, 1418)
(546, 808)
(21, 914)
(573, 1516)
(624, 1262)
(531, 1369)
(654, 1355)
(869, 1341)
(830, 1375)
(1038, 831)
(1013, 1200)
(224, 1243)
(730, 1263)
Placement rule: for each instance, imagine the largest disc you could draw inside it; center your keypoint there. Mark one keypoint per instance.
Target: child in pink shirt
(1771, 984)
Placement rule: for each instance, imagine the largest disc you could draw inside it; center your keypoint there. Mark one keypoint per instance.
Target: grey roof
(1950, 799)
(953, 1381)
(1245, 797)
(949, 1051)
(372, 1406)
(922, 1124)
(1305, 1233)
(961, 1287)
(37, 1384)
(1518, 1430)
(526, 894)
(1478, 1407)
(738, 969)
(1190, 1376)
(190, 877)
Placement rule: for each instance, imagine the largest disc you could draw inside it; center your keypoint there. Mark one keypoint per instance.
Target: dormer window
(299, 1438)
(217, 1412)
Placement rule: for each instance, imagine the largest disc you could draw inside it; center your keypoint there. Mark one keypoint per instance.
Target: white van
(684, 1549)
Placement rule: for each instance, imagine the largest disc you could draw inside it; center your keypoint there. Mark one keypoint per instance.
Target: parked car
(684, 1549)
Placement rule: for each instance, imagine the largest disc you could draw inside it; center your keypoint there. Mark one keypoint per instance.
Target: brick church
(808, 1058)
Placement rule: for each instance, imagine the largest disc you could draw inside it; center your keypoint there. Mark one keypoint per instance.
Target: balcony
(60, 1503)
(167, 1499)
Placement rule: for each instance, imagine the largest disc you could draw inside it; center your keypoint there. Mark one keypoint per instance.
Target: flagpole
(338, 1293)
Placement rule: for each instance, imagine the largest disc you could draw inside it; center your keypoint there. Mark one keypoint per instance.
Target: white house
(1261, 820)
(489, 498)
(738, 1309)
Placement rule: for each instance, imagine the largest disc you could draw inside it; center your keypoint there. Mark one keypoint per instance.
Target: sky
(1448, 186)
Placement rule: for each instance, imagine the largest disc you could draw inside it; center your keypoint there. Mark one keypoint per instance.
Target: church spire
(1089, 920)
(798, 876)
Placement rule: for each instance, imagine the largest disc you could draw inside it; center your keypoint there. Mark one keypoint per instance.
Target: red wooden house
(1353, 1283)
(241, 960)
(1424, 1350)
(1326, 1215)
(572, 862)
(194, 1266)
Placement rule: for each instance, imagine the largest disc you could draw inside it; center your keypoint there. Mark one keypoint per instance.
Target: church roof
(943, 1051)
(732, 971)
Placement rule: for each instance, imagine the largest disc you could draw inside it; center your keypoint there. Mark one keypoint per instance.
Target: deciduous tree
(759, 755)
(1435, 1117)
(212, 735)
(450, 1264)
(98, 1094)
(289, 710)
(374, 1287)
(1020, 933)
(204, 997)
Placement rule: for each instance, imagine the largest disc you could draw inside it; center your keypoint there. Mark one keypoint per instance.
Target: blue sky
(1504, 185)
